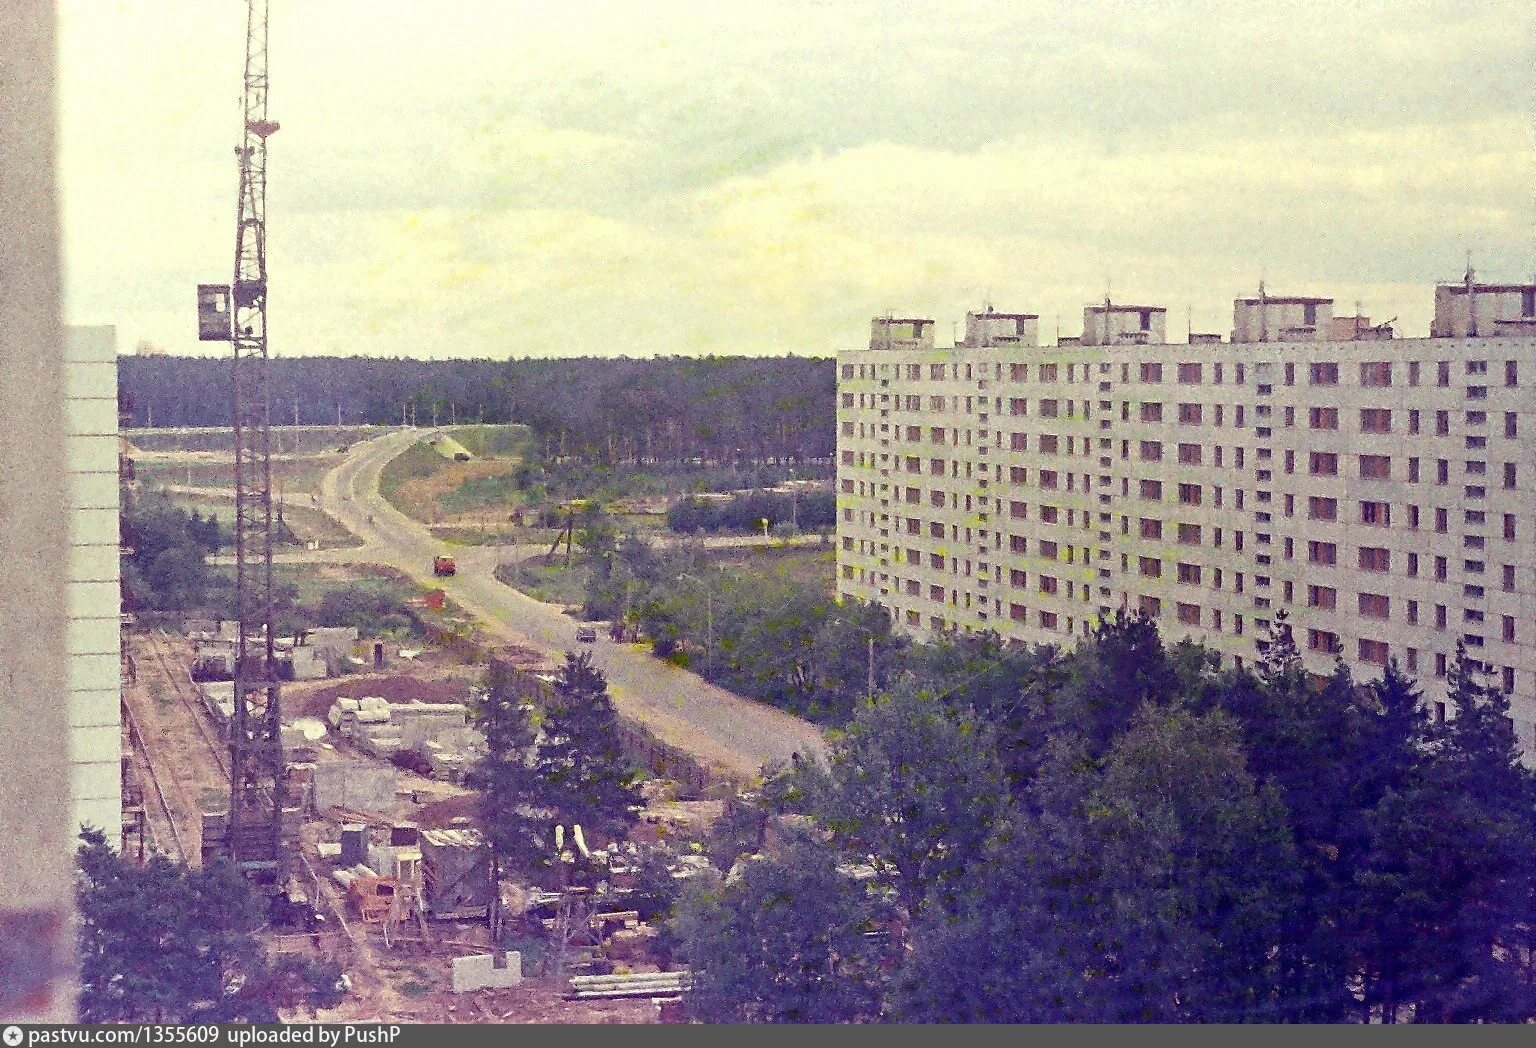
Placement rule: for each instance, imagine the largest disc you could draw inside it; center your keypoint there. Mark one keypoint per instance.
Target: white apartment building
(1381, 490)
(95, 596)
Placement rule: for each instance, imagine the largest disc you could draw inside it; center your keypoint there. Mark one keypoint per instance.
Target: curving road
(679, 707)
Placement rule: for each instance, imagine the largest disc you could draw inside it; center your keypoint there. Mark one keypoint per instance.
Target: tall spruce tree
(1451, 874)
(587, 778)
(513, 811)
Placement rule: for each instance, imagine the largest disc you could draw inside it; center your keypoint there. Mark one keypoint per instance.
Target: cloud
(465, 178)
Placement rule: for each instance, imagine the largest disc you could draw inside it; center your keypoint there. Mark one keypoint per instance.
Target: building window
(1151, 451)
(1323, 597)
(1376, 373)
(1375, 467)
(1326, 374)
(1189, 494)
(1189, 374)
(1442, 423)
(1151, 529)
(1048, 584)
(1376, 514)
(1374, 651)
(1323, 641)
(1151, 606)
(1376, 420)
(1190, 454)
(1152, 490)
(1509, 527)
(1152, 412)
(1189, 534)
(1508, 624)
(1190, 414)
(1189, 574)
(1322, 553)
(1189, 614)
(1323, 418)
(1375, 606)
(1509, 475)
(1150, 567)
(1323, 464)
(1375, 558)
(1440, 569)
(1151, 372)
(1443, 373)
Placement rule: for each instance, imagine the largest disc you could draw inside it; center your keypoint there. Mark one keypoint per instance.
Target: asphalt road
(679, 707)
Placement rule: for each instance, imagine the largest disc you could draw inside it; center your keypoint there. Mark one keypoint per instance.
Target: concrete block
(476, 972)
(366, 788)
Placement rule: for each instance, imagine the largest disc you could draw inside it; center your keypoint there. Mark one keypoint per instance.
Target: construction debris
(639, 984)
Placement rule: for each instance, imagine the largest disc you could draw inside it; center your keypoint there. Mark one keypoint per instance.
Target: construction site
(328, 764)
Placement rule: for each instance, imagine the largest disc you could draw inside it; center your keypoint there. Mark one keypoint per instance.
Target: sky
(504, 178)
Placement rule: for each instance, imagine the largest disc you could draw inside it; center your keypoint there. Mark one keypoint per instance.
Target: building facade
(95, 598)
(1381, 490)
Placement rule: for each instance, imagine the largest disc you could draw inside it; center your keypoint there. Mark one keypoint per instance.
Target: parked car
(586, 634)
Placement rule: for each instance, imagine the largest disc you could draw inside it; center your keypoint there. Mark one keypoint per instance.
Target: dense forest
(718, 409)
(1127, 832)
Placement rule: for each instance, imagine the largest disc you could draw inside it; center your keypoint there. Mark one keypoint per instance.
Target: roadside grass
(302, 523)
(811, 566)
(551, 583)
(288, 474)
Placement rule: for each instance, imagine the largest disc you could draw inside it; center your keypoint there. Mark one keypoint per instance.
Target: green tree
(585, 776)
(512, 810)
(783, 944)
(915, 784)
(166, 944)
(1450, 874)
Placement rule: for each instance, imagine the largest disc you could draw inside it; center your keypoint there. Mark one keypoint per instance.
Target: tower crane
(252, 833)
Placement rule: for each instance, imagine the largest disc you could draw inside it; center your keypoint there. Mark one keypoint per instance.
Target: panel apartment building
(1382, 490)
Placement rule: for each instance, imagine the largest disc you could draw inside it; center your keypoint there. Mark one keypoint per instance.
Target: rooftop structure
(1378, 489)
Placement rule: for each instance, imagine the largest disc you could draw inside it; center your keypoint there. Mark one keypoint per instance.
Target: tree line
(1129, 832)
(664, 409)
(811, 511)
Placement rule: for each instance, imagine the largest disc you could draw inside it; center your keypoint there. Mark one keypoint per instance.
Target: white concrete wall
(95, 602)
(1006, 489)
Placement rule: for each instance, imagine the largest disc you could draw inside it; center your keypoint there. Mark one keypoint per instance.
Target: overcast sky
(499, 178)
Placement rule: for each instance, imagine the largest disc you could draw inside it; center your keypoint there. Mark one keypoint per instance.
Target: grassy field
(313, 581)
(286, 440)
(813, 566)
(293, 475)
(303, 523)
(477, 494)
(552, 583)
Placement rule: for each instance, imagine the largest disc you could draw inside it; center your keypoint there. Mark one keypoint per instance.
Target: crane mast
(253, 831)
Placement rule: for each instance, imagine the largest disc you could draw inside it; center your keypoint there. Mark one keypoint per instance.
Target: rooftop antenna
(1189, 322)
(1358, 321)
(1471, 281)
(1263, 312)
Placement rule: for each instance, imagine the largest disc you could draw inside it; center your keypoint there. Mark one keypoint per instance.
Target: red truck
(444, 566)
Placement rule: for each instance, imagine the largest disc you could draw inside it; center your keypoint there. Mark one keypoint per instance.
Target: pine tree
(587, 778)
(513, 813)
(1450, 875)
